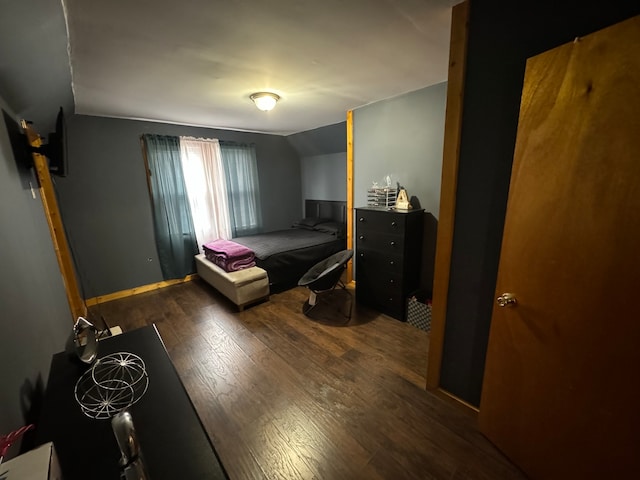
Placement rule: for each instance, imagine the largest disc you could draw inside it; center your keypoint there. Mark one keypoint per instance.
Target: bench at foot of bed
(242, 287)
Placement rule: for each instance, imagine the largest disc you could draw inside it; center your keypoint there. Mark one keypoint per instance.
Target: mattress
(286, 255)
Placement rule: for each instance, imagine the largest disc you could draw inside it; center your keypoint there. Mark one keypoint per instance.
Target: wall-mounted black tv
(55, 149)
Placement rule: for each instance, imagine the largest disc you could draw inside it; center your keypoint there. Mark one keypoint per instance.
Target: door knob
(507, 300)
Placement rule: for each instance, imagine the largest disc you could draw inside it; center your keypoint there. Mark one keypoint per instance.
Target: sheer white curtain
(206, 188)
(241, 169)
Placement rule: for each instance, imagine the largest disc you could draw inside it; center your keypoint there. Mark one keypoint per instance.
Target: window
(243, 191)
(206, 186)
(201, 191)
(172, 220)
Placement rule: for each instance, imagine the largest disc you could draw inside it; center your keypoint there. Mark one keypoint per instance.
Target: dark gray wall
(34, 63)
(324, 177)
(34, 314)
(320, 141)
(323, 162)
(402, 137)
(502, 35)
(105, 202)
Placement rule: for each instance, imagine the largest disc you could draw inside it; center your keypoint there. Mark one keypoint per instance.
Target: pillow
(332, 228)
(310, 222)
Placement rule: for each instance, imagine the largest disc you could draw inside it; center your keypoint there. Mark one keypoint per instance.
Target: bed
(286, 255)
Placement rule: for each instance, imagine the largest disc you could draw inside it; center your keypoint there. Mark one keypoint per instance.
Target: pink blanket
(228, 248)
(233, 265)
(228, 255)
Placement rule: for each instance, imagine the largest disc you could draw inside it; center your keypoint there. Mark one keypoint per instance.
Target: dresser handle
(391, 262)
(362, 255)
(394, 224)
(392, 243)
(391, 281)
(361, 237)
(361, 219)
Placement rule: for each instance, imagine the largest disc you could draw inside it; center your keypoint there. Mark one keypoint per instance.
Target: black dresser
(388, 257)
(172, 438)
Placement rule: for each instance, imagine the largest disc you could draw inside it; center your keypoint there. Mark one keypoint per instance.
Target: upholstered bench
(242, 287)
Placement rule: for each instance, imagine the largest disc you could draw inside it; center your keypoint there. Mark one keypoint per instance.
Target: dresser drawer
(384, 222)
(385, 243)
(368, 262)
(370, 274)
(387, 300)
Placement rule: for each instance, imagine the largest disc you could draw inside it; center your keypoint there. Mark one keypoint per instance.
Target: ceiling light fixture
(265, 101)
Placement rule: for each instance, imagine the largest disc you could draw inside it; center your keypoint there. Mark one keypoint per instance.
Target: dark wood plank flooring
(282, 396)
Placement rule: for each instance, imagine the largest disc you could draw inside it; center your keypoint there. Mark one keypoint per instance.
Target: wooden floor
(282, 396)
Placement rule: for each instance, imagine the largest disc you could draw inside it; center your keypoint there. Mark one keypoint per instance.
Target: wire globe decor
(114, 383)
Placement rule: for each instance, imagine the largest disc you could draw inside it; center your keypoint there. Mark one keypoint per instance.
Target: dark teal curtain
(173, 225)
(243, 192)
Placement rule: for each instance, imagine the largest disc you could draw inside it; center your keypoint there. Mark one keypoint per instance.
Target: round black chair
(323, 278)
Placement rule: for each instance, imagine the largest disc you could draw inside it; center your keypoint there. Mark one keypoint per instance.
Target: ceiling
(196, 62)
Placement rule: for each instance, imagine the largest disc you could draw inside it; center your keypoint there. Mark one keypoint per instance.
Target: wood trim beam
(458, 402)
(349, 278)
(147, 169)
(56, 227)
(137, 290)
(451, 153)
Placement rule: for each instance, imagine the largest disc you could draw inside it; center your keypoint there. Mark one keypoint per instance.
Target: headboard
(333, 209)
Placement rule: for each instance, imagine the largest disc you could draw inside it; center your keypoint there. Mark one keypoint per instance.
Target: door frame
(448, 189)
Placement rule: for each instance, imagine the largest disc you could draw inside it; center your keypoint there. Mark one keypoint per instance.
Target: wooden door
(561, 391)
